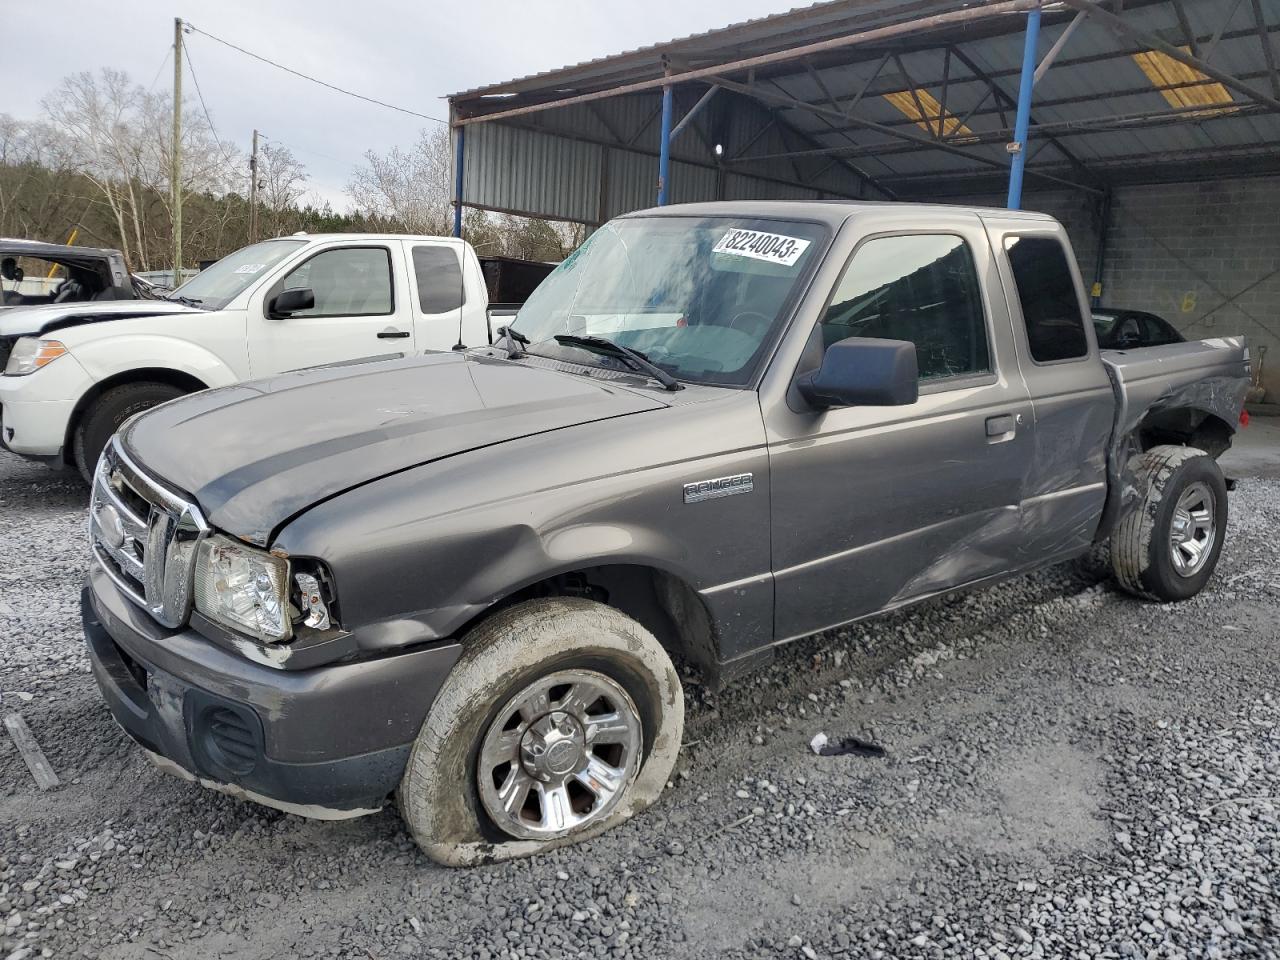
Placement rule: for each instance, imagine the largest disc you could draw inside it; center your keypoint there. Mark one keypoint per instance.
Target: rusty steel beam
(1010, 100)
(1185, 26)
(1268, 53)
(853, 104)
(788, 101)
(1169, 50)
(876, 34)
(1212, 45)
(942, 102)
(817, 79)
(1062, 128)
(1082, 98)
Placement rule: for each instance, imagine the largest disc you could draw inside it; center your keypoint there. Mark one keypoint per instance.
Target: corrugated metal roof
(1097, 117)
(761, 34)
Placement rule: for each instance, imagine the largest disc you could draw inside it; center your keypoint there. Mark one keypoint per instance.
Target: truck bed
(1206, 375)
(1190, 392)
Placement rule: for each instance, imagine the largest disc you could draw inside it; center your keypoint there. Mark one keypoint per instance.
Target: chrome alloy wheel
(559, 755)
(1193, 530)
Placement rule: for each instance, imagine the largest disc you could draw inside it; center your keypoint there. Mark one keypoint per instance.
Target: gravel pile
(1068, 773)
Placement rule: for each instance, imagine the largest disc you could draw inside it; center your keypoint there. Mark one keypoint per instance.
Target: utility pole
(175, 175)
(253, 191)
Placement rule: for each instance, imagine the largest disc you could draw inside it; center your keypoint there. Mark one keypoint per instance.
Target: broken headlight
(310, 598)
(243, 588)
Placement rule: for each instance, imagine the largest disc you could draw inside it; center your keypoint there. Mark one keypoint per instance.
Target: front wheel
(106, 414)
(1167, 546)
(562, 718)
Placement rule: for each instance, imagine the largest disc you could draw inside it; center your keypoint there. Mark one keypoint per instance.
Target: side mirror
(863, 372)
(291, 301)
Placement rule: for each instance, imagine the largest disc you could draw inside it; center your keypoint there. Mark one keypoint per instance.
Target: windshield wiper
(185, 301)
(513, 340)
(637, 359)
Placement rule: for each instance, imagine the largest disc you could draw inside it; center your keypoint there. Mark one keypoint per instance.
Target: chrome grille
(144, 537)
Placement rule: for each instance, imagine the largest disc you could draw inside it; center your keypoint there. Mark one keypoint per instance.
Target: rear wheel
(1167, 546)
(562, 718)
(105, 415)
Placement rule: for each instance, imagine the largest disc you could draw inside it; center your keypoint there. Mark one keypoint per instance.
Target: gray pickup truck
(461, 580)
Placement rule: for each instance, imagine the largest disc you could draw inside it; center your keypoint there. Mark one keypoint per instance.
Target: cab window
(1050, 308)
(921, 288)
(439, 277)
(347, 282)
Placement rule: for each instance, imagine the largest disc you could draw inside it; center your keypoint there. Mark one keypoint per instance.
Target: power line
(291, 145)
(167, 55)
(191, 68)
(298, 73)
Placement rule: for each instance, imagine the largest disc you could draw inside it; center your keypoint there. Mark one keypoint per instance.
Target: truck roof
(303, 235)
(14, 247)
(832, 212)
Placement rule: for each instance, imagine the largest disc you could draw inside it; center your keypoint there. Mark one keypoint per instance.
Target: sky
(409, 54)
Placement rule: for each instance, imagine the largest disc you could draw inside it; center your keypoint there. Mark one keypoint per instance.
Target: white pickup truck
(73, 372)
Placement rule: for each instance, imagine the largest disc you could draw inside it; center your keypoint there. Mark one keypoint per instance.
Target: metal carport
(880, 99)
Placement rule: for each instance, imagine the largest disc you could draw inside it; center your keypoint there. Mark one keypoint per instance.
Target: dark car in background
(1126, 329)
(34, 273)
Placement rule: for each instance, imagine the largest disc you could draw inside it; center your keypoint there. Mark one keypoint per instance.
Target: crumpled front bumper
(330, 742)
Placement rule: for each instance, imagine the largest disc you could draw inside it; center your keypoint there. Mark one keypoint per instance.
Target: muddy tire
(105, 415)
(1168, 544)
(513, 716)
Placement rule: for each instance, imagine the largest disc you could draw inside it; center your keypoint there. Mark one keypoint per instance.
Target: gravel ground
(1070, 773)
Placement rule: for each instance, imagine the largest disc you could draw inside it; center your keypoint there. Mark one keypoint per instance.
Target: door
(354, 312)
(437, 294)
(875, 506)
(1071, 394)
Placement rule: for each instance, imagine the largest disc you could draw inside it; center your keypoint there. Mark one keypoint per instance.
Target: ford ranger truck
(461, 580)
(71, 373)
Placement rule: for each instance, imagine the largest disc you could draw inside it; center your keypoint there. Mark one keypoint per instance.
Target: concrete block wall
(1205, 256)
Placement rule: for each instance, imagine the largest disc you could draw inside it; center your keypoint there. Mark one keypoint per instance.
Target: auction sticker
(771, 247)
(251, 268)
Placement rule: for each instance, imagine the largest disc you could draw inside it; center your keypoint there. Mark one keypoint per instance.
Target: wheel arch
(662, 601)
(1185, 425)
(167, 375)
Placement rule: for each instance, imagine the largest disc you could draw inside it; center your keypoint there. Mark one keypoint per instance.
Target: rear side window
(921, 288)
(439, 278)
(1050, 307)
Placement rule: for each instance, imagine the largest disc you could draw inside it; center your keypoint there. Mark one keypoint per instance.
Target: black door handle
(393, 334)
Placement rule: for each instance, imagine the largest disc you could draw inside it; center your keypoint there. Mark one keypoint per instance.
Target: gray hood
(256, 454)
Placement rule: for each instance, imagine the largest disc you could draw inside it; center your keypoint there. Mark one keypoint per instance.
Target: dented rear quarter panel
(1210, 376)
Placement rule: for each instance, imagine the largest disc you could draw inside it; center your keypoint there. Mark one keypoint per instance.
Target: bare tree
(40, 192)
(282, 182)
(120, 135)
(407, 190)
(413, 191)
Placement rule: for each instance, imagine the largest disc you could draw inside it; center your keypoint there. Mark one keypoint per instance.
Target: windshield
(221, 283)
(700, 297)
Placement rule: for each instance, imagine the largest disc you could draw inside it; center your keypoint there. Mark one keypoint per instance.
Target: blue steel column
(1022, 125)
(664, 156)
(457, 187)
